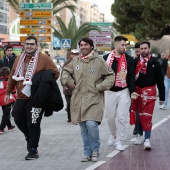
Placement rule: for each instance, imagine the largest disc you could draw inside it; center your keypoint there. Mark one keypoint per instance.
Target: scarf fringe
(18, 78)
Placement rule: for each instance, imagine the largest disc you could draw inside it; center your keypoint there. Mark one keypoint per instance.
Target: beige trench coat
(91, 79)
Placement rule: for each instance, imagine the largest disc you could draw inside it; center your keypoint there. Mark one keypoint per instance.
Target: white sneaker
(147, 145)
(111, 141)
(162, 107)
(119, 146)
(95, 156)
(139, 140)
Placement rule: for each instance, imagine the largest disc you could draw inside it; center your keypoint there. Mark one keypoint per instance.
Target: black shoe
(33, 154)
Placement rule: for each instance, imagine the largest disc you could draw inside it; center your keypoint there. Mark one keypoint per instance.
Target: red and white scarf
(19, 71)
(87, 57)
(141, 66)
(121, 69)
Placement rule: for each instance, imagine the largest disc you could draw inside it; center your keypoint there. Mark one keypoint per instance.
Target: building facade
(4, 20)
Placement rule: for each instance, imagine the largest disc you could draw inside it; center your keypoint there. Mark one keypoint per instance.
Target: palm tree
(72, 31)
(56, 4)
(44, 45)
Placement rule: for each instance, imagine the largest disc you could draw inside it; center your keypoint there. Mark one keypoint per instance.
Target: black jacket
(130, 73)
(154, 76)
(164, 65)
(8, 62)
(45, 92)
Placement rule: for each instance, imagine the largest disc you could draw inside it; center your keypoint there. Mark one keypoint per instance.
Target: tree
(72, 31)
(146, 19)
(15, 4)
(44, 45)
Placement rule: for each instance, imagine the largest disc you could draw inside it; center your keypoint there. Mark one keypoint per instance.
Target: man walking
(117, 99)
(148, 74)
(89, 76)
(8, 59)
(27, 117)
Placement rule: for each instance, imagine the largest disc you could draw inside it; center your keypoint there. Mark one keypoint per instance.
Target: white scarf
(18, 74)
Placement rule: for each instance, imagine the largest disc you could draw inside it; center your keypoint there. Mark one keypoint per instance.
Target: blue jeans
(167, 86)
(90, 136)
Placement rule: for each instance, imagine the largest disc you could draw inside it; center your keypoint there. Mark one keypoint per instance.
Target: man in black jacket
(118, 98)
(8, 59)
(148, 74)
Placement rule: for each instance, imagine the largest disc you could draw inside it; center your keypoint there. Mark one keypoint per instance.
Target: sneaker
(69, 120)
(11, 128)
(163, 107)
(95, 156)
(119, 146)
(111, 141)
(86, 159)
(139, 140)
(33, 154)
(147, 145)
(1, 132)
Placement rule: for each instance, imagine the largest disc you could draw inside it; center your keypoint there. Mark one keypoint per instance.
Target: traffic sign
(26, 6)
(35, 30)
(36, 14)
(39, 38)
(65, 43)
(56, 43)
(101, 24)
(32, 22)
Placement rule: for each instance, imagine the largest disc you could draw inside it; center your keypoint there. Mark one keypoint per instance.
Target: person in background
(137, 50)
(9, 58)
(27, 117)
(67, 91)
(148, 74)
(6, 108)
(163, 55)
(137, 130)
(89, 76)
(166, 71)
(118, 97)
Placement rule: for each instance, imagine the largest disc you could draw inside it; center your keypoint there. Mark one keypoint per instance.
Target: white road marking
(115, 152)
(97, 164)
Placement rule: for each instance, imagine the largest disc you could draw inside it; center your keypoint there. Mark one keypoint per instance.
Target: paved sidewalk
(61, 148)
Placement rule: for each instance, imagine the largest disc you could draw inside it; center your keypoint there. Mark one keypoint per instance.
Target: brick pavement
(61, 148)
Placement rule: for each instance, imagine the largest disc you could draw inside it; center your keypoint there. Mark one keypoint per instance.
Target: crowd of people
(92, 86)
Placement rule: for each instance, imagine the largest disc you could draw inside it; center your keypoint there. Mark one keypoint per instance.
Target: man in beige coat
(89, 76)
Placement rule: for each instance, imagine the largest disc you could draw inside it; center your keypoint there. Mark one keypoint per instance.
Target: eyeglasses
(31, 44)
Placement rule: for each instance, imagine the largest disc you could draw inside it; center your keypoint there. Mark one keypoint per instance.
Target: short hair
(8, 47)
(5, 71)
(87, 40)
(137, 45)
(145, 42)
(31, 37)
(120, 38)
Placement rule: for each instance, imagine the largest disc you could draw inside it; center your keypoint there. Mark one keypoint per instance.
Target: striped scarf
(141, 66)
(19, 71)
(121, 74)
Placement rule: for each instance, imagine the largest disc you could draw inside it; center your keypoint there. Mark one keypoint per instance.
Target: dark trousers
(68, 99)
(6, 117)
(138, 127)
(28, 119)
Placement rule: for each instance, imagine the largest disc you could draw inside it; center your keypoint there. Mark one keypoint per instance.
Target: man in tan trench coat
(89, 76)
